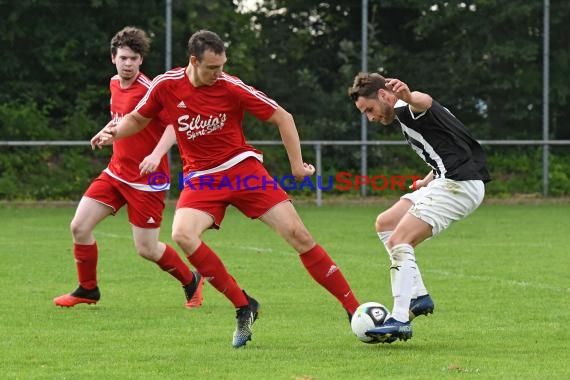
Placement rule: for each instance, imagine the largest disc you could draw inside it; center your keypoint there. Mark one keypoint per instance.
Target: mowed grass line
(499, 279)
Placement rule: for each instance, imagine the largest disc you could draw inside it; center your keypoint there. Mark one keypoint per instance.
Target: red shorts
(143, 207)
(247, 186)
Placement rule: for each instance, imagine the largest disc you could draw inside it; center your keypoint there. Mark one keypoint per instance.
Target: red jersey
(207, 119)
(129, 152)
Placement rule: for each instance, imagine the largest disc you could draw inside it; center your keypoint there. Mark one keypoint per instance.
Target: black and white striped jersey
(443, 142)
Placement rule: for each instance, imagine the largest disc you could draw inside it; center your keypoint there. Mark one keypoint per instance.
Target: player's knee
(397, 239)
(79, 231)
(185, 240)
(383, 223)
(378, 223)
(148, 251)
(300, 236)
(179, 237)
(392, 242)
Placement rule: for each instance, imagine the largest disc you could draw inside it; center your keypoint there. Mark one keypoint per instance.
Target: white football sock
(384, 236)
(418, 288)
(403, 272)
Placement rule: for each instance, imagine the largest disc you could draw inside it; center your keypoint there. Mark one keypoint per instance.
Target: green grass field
(500, 280)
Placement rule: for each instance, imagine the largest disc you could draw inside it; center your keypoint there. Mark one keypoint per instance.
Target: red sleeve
(253, 101)
(150, 106)
(163, 118)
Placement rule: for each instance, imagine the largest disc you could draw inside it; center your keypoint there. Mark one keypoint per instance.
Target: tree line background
(481, 58)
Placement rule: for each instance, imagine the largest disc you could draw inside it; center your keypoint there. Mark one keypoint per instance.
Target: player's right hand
(104, 137)
(418, 184)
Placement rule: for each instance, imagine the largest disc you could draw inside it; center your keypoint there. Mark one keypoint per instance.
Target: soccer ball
(366, 317)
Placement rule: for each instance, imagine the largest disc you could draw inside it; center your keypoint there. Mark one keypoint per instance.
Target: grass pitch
(500, 280)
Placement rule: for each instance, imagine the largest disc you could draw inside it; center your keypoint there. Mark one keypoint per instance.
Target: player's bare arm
(151, 162)
(290, 137)
(418, 101)
(130, 124)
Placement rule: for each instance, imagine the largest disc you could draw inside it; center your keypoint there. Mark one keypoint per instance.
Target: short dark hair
(366, 85)
(134, 38)
(204, 40)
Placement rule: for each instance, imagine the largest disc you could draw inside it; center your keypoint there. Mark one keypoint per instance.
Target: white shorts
(444, 201)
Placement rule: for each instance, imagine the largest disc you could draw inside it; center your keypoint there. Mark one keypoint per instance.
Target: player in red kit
(207, 107)
(126, 181)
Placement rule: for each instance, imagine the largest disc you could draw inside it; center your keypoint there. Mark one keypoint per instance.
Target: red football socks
(171, 263)
(86, 264)
(324, 271)
(211, 268)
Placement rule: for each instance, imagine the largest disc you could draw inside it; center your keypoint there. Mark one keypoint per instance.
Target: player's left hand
(399, 88)
(306, 170)
(149, 164)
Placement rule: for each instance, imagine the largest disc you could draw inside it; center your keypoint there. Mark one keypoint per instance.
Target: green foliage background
(481, 58)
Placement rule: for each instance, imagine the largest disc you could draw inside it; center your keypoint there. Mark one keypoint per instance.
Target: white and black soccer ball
(368, 316)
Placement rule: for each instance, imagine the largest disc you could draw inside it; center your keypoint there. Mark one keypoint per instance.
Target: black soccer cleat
(390, 331)
(245, 316)
(193, 291)
(423, 305)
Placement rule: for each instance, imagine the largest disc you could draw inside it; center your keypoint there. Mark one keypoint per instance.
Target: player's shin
(324, 271)
(171, 263)
(402, 272)
(209, 265)
(86, 256)
(418, 288)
